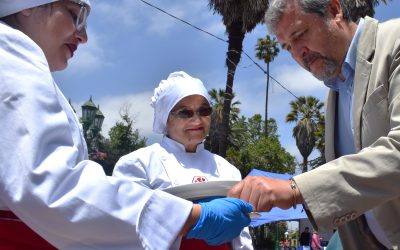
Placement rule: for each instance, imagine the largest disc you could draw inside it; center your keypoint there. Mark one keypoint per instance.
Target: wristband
(293, 187)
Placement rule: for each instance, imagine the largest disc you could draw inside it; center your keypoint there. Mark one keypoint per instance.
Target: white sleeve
(132, 168)
(45, 180)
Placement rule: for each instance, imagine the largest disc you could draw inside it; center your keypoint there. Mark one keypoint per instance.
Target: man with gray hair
(357, 190)
(51, 195)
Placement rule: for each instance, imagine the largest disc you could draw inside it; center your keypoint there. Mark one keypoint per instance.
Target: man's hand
(265, 193)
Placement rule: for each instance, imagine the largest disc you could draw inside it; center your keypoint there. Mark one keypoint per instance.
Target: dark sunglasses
(188, 113)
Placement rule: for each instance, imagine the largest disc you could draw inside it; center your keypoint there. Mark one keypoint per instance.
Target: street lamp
(92, 120)
(98, 120)
(88, 113)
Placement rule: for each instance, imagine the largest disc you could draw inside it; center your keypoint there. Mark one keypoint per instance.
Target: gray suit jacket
(338, 193)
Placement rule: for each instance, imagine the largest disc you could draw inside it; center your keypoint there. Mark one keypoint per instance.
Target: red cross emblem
(199, 179)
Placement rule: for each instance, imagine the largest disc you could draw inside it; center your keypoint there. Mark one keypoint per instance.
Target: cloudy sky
(133, 46)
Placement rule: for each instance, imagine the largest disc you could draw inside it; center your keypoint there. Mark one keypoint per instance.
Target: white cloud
(298, 80)
(139, 108)
(128, 13)
(118, 12)
(89, 57)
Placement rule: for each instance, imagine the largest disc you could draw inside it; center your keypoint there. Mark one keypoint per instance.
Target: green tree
(259, 151)
(238, 17)
(268, 235)
(306, 112)
(256, 128)
(266, 50)
(255, 150)
(320, 143)
(124, 138)
(361, 8)
(217, 103)
(320, 135)
(247, 131)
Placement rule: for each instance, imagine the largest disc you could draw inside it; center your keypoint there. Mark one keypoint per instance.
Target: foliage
(266, 154)
(267, 49)
(268, 234)
(361, 8)
(249, 12)
(252, 129)
(306, 113)
(258, 151)
(123, 140)
(319, 144)
(217, 103)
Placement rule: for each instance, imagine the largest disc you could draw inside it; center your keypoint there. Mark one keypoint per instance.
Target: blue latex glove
(221, 220)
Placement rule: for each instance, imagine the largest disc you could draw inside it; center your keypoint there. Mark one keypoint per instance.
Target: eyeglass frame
(190, 112)
(79, 25)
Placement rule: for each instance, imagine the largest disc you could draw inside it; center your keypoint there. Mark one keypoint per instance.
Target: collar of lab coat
(176, 147)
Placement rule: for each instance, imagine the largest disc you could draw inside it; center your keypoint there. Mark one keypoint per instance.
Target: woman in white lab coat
(182, 113)
(47, 183)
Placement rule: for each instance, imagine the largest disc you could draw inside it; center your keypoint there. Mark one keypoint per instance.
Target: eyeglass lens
(81, 19)
(188, 113)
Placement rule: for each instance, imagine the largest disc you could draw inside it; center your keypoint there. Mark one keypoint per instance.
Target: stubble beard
(328, 72)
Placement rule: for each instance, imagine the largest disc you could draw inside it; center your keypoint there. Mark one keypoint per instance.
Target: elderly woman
(182, 113)
(51, 195)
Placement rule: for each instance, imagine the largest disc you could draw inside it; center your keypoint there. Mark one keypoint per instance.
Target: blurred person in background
(316, 241)
(305, 237)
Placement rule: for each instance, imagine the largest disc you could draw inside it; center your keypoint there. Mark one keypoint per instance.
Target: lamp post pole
(277, 237)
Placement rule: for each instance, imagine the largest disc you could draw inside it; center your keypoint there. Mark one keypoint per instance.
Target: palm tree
(238, 17)
(362, 8)
(266, 50)
(305, 111)
(217, 102)
(319, 143)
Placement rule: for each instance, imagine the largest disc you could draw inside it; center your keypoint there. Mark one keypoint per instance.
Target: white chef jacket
(46, 178)
(167, 164)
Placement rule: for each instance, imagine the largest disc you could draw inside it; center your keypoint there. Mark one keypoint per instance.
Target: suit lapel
(365, 52)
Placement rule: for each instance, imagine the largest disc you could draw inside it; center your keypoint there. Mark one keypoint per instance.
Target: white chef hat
(169, 92)
(8, 7)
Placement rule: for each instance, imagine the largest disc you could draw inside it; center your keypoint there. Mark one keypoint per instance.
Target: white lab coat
(164, 165)
(46, 178)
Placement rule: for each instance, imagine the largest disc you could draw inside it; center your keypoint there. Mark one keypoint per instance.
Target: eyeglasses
(80, 19)
(188, 113)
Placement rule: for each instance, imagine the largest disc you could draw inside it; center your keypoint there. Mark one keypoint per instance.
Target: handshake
(221, 220)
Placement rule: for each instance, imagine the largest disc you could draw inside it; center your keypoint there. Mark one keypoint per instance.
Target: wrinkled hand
(264, 193)
(221, 220)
